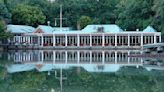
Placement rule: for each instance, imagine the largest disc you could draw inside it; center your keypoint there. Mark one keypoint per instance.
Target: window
(100, 29)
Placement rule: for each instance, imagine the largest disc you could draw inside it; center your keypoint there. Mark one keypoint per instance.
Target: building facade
(101, 36)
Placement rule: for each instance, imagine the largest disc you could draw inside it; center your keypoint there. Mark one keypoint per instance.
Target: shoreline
(73, 48)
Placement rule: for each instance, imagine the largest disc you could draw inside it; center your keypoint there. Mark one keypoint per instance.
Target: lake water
(80, 71)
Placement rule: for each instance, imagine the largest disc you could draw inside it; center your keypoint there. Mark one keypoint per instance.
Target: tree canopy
(3, 33)
(27, 15)
(128, 14)
(84, 21)
(134, 14)
(4, 13)
(5, 17)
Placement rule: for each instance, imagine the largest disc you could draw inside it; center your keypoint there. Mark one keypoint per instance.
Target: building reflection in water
(75, 57)
(92, 61)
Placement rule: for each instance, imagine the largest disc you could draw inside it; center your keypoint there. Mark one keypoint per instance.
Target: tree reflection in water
(128, 79)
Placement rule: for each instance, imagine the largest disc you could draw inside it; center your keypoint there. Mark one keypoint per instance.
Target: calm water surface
(80, 71)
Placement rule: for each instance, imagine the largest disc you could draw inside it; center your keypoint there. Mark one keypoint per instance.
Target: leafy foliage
(5, 17)
(3, 33)
(158, 8)
(134, 14)
(84, 21)
(4, 13)
(128, 14)
(27, 15)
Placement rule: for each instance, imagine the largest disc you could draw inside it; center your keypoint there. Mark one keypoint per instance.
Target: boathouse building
(98, 36)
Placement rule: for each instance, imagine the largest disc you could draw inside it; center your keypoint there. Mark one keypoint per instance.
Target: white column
(128, 57)
(115, 39)
(141, 39)
(155, 38)
(115, 57)
(78, 57)
(42, 56)
(103, 39)
(42, 40)
(78, 40)
(29, 39)
(103, 57)
(66, 57)
(54, 57)
(141, 58)
(24, 38)
(128, 40)
(66, 39)
(121, 39)
(54, 40)
(90, 40)
(98, 40)
(90, 56)
(160, 38)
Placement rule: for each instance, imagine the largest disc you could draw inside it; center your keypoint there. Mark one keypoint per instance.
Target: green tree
(134, 14)
(84, 21)
(158, 8)
(27, 15)
(4, 13)
(129, 14)
(5, 17)
(3, 33)
(100, 11)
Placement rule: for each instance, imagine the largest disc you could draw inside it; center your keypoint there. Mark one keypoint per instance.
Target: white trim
(90, 40)
(115, 39)
(66, 40)
(155, 38)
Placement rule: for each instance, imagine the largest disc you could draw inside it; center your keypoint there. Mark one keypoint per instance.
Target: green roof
(95, 28)
(20, 29)
(111, 28)
(149, 29)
